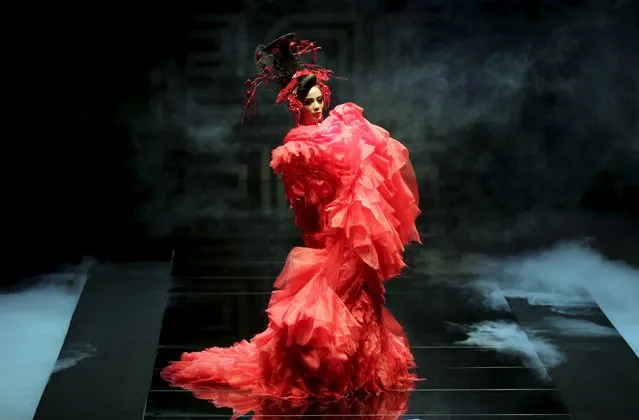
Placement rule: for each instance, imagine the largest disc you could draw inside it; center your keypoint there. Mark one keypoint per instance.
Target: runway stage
(141, 315)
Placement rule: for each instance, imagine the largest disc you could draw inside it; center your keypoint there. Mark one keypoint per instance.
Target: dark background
(507, 106)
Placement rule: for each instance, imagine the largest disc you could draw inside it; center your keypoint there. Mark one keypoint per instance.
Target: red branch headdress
(281, 61)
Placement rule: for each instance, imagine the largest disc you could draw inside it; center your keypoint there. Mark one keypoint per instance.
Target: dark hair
(305, 85)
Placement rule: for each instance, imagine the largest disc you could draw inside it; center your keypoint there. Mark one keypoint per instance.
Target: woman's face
(313, 107)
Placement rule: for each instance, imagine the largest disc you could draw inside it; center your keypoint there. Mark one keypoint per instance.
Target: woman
(354, 194)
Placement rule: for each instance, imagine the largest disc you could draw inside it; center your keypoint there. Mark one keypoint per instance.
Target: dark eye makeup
(310, 101)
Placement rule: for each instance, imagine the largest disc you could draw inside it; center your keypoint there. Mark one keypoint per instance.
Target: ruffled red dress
(329, 335)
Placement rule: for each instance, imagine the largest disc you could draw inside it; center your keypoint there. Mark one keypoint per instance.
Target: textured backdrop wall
(503, 111)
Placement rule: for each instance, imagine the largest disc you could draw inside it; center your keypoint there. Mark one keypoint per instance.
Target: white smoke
(33, 325)
(569, 278)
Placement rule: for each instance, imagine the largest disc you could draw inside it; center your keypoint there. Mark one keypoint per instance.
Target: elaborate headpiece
(280, 61)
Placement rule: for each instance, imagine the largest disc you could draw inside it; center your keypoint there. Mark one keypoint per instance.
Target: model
(354, 194)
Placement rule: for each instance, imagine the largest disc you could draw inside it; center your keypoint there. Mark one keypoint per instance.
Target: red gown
(354, 193)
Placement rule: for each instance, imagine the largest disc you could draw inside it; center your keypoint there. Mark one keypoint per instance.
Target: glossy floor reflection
(220, 299)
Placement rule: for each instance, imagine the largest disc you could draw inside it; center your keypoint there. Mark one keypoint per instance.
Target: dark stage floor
(217, 295)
